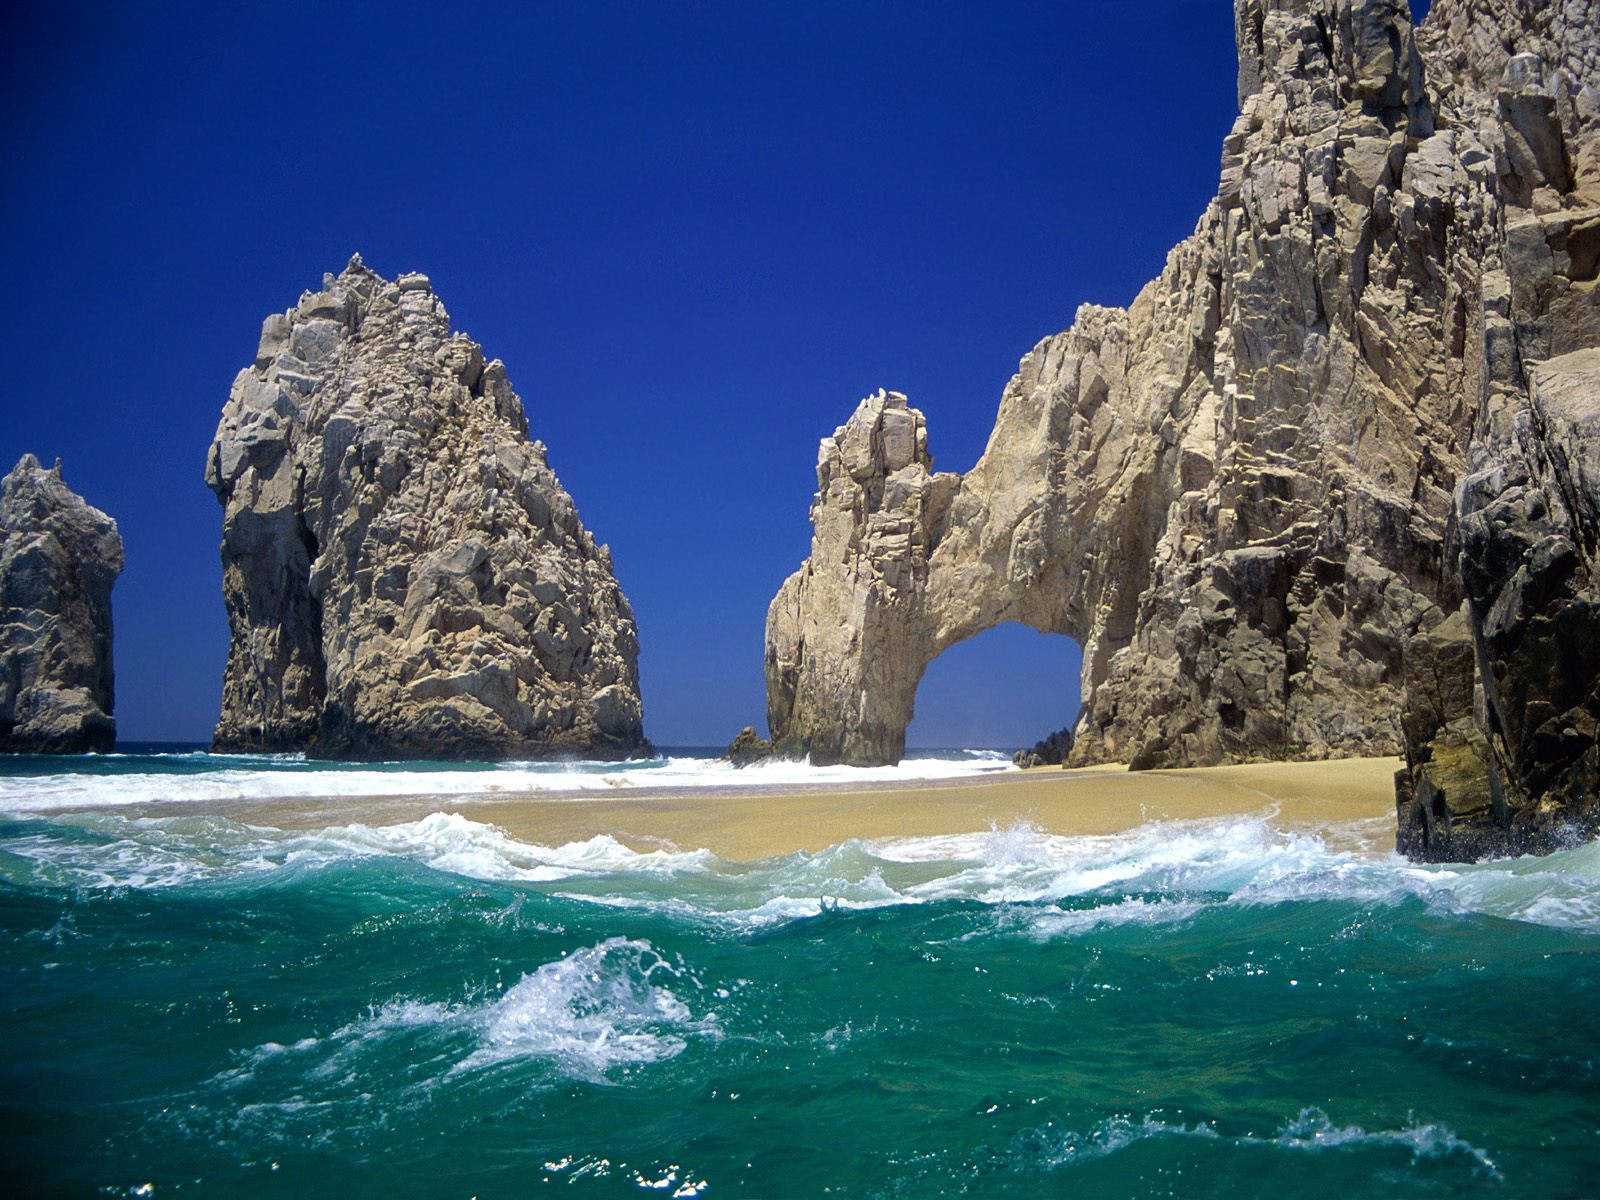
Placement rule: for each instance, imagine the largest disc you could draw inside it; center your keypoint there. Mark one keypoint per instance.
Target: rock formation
(1052, 751)
(747, 748)
(1503, 700)
(1240, 493)
(404, 574)
(58, 561)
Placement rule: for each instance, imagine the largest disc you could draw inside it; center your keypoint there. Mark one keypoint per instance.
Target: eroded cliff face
(1239, 494)
(404, 574)
(58, 561)
(1502, 701)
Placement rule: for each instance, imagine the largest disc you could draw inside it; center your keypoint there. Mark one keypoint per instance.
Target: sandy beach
(748, 824)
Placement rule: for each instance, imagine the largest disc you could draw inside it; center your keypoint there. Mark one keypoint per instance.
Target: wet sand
(1351, 799)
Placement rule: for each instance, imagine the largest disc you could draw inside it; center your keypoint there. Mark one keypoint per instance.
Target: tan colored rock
(404, 574)
(1238, 494)
(58, 561)
(1229, 494)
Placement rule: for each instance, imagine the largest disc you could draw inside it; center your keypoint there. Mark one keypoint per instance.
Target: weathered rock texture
(404, 574)
(1503, 703)
(1239, 494)
(58, 561)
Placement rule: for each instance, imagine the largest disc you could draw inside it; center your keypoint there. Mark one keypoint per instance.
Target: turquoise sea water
(198, 1006)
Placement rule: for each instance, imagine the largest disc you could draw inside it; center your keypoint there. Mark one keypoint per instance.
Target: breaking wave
(599, 1007)
(1040, 885)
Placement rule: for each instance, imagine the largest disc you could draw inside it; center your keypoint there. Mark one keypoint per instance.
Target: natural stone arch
(1236, 494)
(906, 563)
(1359, 396)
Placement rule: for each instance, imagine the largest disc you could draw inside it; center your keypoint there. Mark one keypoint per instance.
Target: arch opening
(1003, 689)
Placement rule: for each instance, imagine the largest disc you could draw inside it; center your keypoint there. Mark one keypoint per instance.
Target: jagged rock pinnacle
(58, 561)
(404, 574)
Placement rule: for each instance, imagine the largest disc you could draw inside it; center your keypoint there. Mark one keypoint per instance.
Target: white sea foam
(1047, 924)
(1157, 875)
(599, 1007)
(1311, 1130)
(603, 1007)
(294, 778)
(451, 842)
(1240, 861)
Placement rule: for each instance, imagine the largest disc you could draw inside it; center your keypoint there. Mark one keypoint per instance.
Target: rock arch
(1236, 494)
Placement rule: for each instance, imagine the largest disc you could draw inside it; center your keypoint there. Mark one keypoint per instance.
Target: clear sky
(697, 233)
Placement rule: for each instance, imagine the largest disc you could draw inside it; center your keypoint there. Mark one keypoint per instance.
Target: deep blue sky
(696, 233)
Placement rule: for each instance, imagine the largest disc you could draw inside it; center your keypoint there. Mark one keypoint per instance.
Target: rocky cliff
(1502, 701)
(58, 561)
(1240, 494)
(403, 572)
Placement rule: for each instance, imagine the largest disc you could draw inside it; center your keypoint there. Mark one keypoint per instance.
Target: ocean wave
(600, 1008)
(1044, 886)
(286, 778)
(1239, 862)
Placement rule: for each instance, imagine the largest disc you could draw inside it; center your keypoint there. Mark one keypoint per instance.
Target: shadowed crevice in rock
(1240, 493)
(59, 559)
(1503, 701)
(405, 576)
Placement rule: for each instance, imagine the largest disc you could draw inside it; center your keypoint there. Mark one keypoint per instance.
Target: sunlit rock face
(59, 559)
(404, 575)
(1240, 494)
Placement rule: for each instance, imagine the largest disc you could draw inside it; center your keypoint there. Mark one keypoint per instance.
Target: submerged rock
(405, 577)
(1239, 494)
(58, 561)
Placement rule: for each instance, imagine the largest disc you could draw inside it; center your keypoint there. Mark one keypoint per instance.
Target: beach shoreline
(1353, 798)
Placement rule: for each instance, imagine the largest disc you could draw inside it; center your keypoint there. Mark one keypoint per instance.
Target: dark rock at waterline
(1051, 752)
(1503, 701)
(59, 558)
(747, 748)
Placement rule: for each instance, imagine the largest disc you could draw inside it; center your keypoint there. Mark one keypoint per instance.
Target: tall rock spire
(58, 561)
(404, 574)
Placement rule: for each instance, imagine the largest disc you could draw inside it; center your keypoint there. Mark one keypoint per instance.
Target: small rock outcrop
(747, 748)
(1052, 751)
(404, 575)
(58, 561)
(1343, 410)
